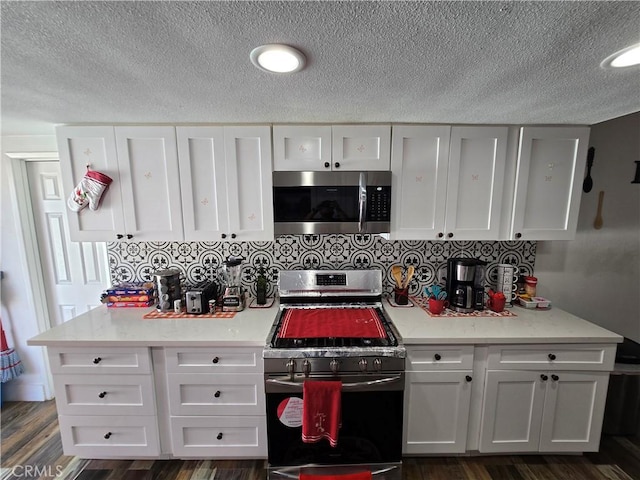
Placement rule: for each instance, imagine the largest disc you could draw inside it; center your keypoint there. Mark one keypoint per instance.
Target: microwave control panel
(378, 203)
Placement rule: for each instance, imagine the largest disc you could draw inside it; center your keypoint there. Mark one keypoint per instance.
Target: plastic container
(530, 284)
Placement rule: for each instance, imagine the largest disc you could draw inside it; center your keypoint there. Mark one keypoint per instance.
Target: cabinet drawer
(216, 394)
(104, 394)
(214, 360)
(552, 357)
(109, 436)
(227, 437)
(433, 357)
(99, 360)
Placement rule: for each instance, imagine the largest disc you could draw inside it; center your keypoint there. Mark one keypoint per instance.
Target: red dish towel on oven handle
(364, 475)
(321, 411)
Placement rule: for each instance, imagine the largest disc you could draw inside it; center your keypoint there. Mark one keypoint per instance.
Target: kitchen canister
(507, 282)
(168, 289)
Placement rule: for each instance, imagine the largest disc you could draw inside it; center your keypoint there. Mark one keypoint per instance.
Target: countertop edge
(147, 343)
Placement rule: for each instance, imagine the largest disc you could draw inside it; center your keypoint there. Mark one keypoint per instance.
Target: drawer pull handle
(107, 435)
(551, 356)
(97, 360)
(217, 394)
(437, 356)
(468, 378)
(544, 377)
(215, 360)
(219, 437)
(555, 378)
(102, 394)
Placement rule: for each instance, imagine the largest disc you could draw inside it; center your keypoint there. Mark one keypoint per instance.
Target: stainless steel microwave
(331, 202)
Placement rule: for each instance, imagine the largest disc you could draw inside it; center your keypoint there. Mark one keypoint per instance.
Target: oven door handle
(296, 475)
(368, 383)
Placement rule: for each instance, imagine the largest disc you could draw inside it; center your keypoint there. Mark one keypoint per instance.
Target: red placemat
(332, 322)
(423, 303)
(154, 314)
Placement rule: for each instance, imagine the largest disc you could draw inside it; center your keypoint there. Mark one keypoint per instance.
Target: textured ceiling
(425, 62)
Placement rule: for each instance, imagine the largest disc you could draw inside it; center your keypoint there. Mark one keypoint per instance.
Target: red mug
(437, 306)
(496, 303)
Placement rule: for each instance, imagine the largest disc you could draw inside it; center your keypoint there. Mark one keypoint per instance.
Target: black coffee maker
(465, 284)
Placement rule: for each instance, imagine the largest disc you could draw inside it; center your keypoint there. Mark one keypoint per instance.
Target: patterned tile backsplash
(199, 261)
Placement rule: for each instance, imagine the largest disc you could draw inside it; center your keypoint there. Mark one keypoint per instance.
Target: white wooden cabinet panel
(79, 147)
(109, 436)
(549, 178)
(419, 163)
(216, 394)
(301, 147)
(440, 357)
(214, 360)
(573, 411)
(219, 437)
(361, 147)
(104, 394)
(512, 411)
(203, 182)
(475, 182)
(437, 412)
(552, 357)
(99, 360)
(148, 163)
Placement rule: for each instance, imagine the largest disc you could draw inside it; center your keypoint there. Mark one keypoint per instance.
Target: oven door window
(371, 432)
(316, 204)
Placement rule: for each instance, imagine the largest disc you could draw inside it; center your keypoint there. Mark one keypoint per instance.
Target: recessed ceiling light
(627, 57)
(277, 58)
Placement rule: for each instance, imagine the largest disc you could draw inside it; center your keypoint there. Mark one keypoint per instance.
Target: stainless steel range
(332, 326)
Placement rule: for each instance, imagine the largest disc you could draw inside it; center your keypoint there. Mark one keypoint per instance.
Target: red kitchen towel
(321, 411)
(364, 475)
(331, 322)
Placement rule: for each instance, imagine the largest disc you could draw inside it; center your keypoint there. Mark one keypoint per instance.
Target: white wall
(18, 312)
(597, 275)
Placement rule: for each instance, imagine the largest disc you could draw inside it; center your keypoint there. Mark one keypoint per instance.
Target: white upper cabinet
(549, 177)
(301, 147)
(325, 147)
(148, 163)
(418, 184)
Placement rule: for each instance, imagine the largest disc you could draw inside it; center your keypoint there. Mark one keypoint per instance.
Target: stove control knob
(306, 368)
(377, 364)
(291, 366)
(363, 364)
(334, 365)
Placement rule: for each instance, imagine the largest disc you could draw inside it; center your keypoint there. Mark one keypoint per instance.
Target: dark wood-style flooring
(31, 449)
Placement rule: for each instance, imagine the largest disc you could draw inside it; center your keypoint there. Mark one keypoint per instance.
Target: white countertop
(126, 327)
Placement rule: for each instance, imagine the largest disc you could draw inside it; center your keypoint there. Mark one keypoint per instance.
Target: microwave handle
(362, 203)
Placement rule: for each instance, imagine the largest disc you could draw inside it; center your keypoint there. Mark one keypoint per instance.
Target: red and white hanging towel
(321, 411)
(364, 475)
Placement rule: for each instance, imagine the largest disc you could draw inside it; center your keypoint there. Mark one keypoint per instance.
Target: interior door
(75, 273)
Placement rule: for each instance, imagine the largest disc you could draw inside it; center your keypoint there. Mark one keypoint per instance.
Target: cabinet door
(301, 147)
(573, 411)
(249, 182)
(549, 178)
(475, 181)
(437, 412)
(93, 147)
(420, 155)
(148, 162)
(361, 147)
(512, 411)
(203, 182)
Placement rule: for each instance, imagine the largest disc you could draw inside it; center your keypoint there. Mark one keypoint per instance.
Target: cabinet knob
(224, 235)
(544, 377)
(129, 236)
(337, 164)
(555, 378)
(551, 356)
(327, 164)
(102, 394)
(215, 360)
(233, 235)
(217, 394)
(440, 234)
(518, 235)
(468, 378)
(219, 437)
(119, 236)
(450, 235)
(97, 360)
(437, 356)
(107, 435)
